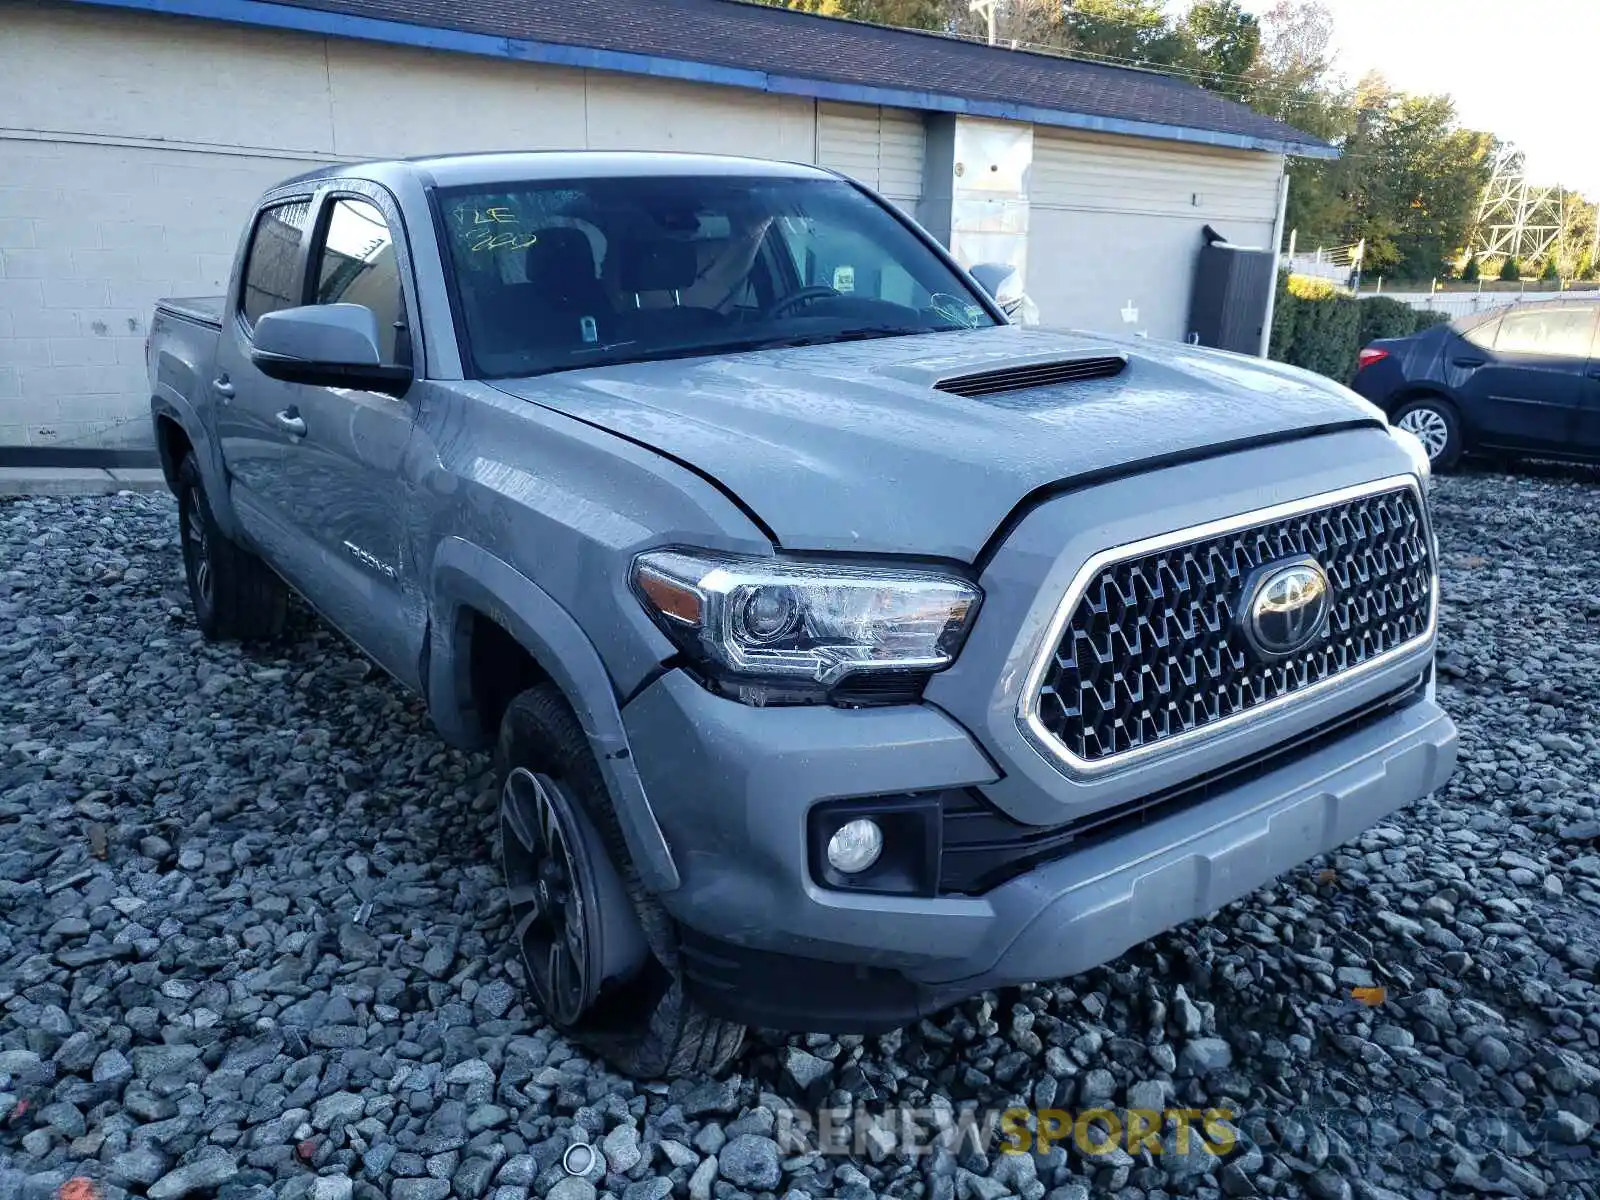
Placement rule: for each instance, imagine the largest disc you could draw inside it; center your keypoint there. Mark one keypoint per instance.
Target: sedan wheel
(1430, 429)
(1435, 425)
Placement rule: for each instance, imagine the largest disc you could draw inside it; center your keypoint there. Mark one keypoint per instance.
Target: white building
(135, 135)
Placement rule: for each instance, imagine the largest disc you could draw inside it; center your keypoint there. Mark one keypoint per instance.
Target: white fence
(1464, 304)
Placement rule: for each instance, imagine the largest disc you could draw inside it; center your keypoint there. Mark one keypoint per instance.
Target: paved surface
(253, 947)
(78, 481)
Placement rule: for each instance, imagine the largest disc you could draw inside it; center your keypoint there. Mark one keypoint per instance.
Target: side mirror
(326, 345)
(991, 276)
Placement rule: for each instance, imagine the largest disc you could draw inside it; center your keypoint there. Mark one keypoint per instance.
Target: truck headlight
(772, 630)
(1412, 445)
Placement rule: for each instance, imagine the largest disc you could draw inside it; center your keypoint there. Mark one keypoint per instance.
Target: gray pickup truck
(846, 649)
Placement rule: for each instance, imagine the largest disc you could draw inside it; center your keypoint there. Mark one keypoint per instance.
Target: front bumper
(732, 785)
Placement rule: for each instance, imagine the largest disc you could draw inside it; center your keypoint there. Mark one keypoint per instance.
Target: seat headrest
(657, 265)
(559, 255)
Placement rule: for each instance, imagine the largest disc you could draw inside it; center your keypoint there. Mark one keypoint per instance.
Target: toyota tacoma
(845, 649)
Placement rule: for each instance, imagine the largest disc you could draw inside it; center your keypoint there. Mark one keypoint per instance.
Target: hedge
(1317, 326)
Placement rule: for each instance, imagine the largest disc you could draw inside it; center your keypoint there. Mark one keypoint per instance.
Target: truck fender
(170, 405)
(466, 575)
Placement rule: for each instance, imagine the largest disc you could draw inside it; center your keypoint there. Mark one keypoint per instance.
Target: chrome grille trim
(1072, 764)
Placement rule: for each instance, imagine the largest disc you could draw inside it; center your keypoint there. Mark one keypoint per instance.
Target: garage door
(881, 147)
(1115, 225)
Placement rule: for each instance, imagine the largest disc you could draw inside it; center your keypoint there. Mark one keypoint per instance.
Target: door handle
(292, 422)
(222, 387)
(1467, 362)
(1594, 372)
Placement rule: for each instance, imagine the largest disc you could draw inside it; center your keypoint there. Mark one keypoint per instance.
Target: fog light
(855, 846)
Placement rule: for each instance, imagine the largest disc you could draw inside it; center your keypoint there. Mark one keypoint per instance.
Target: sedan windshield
(580, 273)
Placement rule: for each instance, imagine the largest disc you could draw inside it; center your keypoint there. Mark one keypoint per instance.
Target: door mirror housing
(991, 276)
(326, 345)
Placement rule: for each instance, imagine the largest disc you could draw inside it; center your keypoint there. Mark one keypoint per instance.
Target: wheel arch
(473, 589)
(1427, 391)
(179, 429)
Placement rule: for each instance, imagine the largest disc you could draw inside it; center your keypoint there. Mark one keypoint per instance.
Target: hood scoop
(1033, 375)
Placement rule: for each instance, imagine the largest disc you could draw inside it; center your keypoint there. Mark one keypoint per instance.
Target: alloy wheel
(197, 544)
(547, 889)
(1429, 427)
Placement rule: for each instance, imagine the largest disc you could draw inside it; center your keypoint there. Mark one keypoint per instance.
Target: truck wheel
(597, 949)
(1434, 422)
(234, 593)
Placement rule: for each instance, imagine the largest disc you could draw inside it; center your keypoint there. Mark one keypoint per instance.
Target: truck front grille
(1146, 648)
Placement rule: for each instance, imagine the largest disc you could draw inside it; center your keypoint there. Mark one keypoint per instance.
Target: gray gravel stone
(621, 1148)
(332, 1187)
(140, 1165)
(419, 1189)
(1203, 1055)
(198, 1176)
(749, 1161)
(295, 946)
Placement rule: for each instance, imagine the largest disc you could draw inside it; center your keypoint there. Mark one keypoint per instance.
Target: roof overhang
(400, 33)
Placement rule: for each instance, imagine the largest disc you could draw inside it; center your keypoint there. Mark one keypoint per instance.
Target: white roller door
(881, 147)
(1115, 225)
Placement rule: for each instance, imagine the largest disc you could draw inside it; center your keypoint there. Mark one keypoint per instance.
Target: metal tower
(1516, 220)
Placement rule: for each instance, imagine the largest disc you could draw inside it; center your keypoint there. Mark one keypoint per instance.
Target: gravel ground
(251, 942)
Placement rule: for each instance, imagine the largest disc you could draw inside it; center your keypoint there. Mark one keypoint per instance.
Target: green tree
(1138, 30)
(1412, 177)
(1469, 273)
(1550, 270)
(1224, 44)
(1575, 246)
(1510, 272)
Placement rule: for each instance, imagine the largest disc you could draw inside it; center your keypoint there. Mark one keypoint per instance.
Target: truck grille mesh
(1152, 650)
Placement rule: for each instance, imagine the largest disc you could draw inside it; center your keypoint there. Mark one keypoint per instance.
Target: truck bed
(206, 310)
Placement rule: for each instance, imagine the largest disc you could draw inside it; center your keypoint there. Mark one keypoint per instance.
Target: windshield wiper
(860, 333)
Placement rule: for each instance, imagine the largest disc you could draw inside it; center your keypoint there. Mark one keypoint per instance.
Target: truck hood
(851, 447)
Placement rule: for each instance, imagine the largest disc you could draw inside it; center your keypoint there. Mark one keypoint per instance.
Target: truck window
(269, 274)
(356, 264)
(580, 273)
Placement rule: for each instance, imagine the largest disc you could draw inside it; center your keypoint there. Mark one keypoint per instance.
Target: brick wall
(120, 227)
(132, 147)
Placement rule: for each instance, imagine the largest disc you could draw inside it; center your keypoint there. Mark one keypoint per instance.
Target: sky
(1524, 70)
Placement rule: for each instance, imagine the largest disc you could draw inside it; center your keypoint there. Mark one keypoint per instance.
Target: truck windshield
(559, 275)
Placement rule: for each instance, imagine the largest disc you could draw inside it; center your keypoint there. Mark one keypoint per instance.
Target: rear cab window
(272, 263)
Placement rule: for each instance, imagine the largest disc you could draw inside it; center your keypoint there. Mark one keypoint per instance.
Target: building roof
(781, 50)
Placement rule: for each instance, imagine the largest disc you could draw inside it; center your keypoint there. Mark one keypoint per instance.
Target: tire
(234, 594)
(1437, 425)
(638, 1016)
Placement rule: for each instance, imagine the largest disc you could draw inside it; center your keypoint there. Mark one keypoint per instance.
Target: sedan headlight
(770, 630)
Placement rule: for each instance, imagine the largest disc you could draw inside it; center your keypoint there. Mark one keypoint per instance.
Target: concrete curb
(78, 481)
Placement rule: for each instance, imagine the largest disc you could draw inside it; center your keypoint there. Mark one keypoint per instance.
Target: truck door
(257, 450)
(335, 491)
(355, 505)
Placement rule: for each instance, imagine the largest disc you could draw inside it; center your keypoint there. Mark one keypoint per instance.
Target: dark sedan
(1519, 380)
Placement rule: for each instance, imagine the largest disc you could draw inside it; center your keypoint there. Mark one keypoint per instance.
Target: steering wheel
(816, 291)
